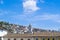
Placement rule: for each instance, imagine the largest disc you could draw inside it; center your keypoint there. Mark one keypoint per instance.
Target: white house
(2, 33)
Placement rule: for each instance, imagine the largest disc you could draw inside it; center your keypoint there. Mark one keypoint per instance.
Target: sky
(43, 14)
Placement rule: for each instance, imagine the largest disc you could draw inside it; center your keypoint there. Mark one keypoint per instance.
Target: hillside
(14, 28)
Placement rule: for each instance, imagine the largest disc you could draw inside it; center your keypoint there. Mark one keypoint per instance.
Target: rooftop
(39, 34)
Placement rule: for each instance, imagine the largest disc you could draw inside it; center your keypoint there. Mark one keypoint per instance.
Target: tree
(3, 25)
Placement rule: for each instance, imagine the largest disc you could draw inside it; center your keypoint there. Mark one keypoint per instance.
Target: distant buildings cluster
(20, 29)
(19, 32)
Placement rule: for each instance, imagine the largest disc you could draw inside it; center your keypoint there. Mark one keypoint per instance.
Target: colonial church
(34, 36)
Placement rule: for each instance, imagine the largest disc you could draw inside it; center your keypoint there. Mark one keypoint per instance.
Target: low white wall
(1, 38)
(5, 38)
(18, 38)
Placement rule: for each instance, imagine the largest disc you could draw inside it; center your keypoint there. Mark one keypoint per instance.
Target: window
(14, 38)
(43, 39)
(53, 39)
(8, 39)
(48, 39)
(21, 39)
(0, 38)
(36, 38)
(28, 39)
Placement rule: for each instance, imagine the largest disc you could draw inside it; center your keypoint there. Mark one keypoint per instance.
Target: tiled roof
(36, 34)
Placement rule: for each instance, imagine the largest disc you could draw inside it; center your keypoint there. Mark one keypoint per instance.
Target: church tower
(30, 28)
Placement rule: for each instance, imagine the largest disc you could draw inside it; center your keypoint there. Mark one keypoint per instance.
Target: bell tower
(30, 28)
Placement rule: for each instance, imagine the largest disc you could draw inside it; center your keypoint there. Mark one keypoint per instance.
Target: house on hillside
(34, 36)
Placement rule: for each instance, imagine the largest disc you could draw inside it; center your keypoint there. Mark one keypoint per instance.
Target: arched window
(28, 39)
(36, 38)
(8, 39)
(14, 38)
(21, 39)
(48, 39)
(53, 39)
(43, 39)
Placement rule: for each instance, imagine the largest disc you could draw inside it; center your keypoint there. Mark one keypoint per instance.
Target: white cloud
(42, 1)
(1, 2)
(3, 12)
(30, 5)
(6, 13)
(52, 17)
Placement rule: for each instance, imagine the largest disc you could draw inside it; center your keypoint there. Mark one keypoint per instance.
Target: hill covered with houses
(20, 29)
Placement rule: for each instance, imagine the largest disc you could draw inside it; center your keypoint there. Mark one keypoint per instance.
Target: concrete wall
(39, 38)
(18, 38)
(50, 38)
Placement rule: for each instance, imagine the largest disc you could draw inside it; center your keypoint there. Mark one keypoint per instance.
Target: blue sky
(44, 14)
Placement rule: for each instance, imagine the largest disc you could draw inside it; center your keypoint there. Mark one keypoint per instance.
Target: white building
(34, 36)
(2, 33)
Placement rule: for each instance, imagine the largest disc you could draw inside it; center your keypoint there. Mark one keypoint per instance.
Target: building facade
(34, 36)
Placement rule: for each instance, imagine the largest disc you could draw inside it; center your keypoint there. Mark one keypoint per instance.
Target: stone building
(34, 36)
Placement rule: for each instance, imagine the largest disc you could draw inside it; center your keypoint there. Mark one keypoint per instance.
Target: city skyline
(44, 14)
